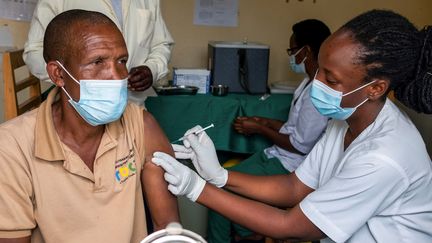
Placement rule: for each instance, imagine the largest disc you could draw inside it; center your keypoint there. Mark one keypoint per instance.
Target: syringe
(196, 132)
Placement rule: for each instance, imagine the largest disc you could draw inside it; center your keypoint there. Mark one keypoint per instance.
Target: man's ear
(378, 89)
(55, 72)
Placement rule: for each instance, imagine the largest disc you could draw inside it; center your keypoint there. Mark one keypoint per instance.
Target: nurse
(369, 178)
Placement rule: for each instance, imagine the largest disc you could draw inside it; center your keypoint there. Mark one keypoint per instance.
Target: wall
(423, 123)
(270, 22)
(19, 31)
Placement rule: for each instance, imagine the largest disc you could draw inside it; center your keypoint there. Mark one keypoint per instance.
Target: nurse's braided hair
(394, 49)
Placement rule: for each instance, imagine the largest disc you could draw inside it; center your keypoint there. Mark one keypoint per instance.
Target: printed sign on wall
(21, 10)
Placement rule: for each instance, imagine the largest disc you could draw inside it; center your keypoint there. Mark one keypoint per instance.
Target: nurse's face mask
(297, 68)
(328, 101)
(101, 101)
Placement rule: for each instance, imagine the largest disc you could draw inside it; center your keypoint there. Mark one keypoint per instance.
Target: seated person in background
(140, 21)
(76, 168)
(292, 139)
(369, 177)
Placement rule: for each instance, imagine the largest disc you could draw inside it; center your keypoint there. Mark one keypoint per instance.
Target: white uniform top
(305, 126)
(378, 190)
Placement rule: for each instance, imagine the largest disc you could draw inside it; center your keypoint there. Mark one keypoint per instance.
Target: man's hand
(140, 78)
(182, 180)
(249, 125)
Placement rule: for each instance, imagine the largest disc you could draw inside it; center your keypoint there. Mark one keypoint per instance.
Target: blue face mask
(297, 68)
(101, 101)
(327, 100)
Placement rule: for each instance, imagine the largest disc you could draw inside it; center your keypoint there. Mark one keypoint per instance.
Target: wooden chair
(15, 104)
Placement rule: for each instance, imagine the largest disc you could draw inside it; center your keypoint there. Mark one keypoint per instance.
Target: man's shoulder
(20, 125)
(133, 111)
(133, 117)
(17, 136)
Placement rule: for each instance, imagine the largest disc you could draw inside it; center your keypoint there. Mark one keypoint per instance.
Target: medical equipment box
(199, 78)
(242, 66)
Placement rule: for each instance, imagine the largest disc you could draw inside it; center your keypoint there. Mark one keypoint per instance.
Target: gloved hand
(200, 149)
(182, 180)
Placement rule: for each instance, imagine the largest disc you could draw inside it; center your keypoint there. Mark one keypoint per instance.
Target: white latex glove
(182, 180)
(200, 149)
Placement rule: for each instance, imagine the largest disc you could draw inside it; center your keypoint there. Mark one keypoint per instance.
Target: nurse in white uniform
(369, 178)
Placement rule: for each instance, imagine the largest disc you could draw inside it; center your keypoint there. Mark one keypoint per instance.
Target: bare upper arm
(155, 138)
(162, 204)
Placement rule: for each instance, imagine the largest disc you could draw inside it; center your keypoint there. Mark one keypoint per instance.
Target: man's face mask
(101, 101)
(297, 68)
(327, 100)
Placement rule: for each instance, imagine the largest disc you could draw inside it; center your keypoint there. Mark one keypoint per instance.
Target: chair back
(15, 104)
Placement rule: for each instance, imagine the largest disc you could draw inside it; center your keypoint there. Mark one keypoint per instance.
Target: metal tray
(176, 90)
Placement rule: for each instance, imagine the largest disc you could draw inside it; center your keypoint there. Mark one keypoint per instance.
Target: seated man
(76, 168)
(292, 139)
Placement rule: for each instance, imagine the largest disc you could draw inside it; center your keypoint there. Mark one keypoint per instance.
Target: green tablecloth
(178, 113)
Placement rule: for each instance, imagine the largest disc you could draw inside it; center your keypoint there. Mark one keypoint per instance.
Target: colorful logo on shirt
(125, 167)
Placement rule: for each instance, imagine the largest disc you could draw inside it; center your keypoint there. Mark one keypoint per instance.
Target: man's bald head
(67, 28)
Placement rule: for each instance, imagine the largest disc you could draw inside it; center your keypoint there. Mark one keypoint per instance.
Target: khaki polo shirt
(48, 192)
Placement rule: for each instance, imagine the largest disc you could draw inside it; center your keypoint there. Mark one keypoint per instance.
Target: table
(178, 113)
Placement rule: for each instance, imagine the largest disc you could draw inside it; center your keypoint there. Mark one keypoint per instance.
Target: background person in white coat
(140, 21)
(369, 178)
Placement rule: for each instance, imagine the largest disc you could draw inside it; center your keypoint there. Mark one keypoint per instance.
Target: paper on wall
(216, 12)
(21, 10)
